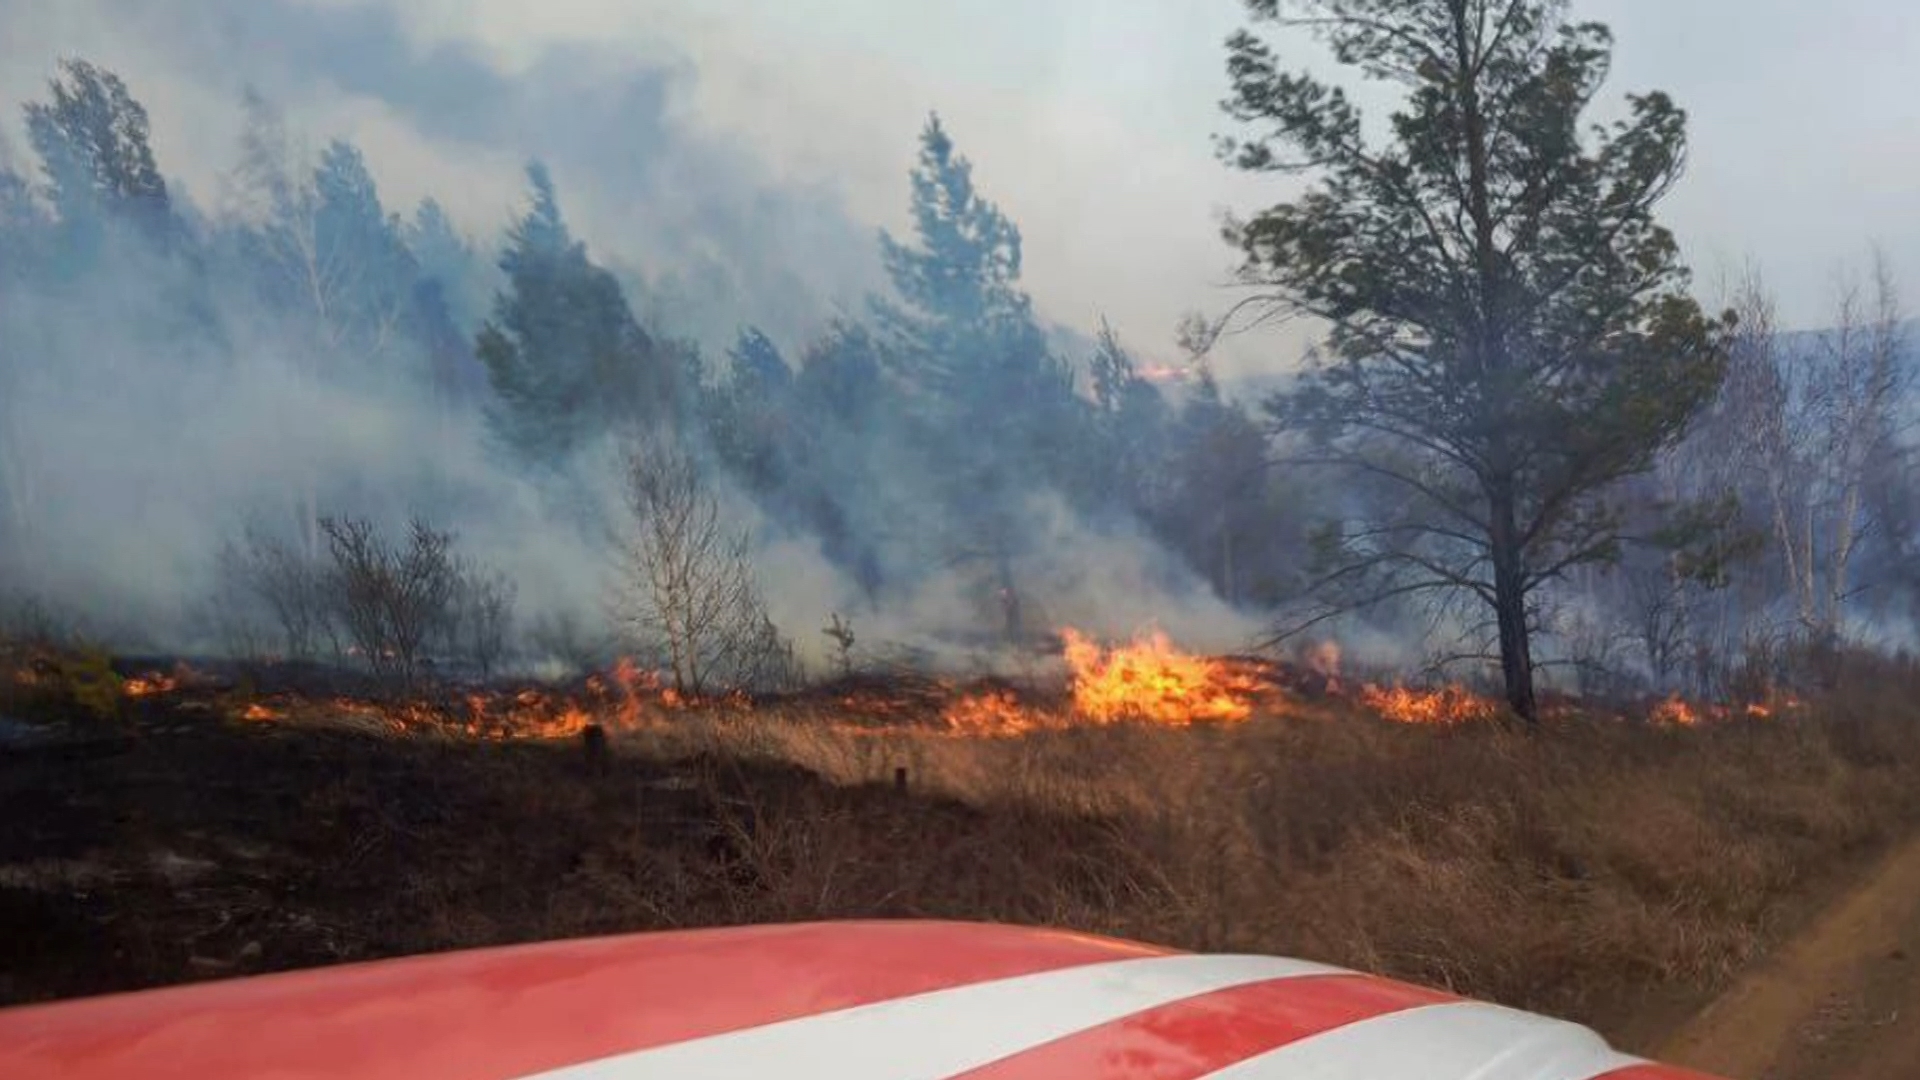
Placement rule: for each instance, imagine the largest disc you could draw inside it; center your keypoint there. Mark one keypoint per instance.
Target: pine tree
(749, 414)
(964, 312)
(997, 407)
(1510, 332)
(758, 370)
(94, 145)
(1130, 441)
(1212, 499)
(447, 258)
(848, 444)
(565, 356)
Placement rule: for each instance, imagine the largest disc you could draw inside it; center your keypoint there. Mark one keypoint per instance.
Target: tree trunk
(1510, 607)
(1509, 574)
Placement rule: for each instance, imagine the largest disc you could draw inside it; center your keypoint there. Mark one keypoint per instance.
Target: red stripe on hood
(1200, 1035)
(496, 1014)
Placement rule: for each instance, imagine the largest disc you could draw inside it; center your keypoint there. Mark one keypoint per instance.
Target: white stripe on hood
(935, 1035)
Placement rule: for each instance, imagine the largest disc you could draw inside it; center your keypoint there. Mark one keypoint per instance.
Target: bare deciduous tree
(1820, 421)
(276, 181)
(693, 595)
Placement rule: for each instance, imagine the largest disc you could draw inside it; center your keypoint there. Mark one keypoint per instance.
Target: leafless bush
(363, 596)
(289, 585)
(392, 599)
(693, 596)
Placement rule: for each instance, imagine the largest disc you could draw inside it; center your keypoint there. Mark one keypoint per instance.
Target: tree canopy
(566, 357)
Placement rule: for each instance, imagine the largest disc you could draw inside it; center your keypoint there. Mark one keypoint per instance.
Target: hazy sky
(1088, 120)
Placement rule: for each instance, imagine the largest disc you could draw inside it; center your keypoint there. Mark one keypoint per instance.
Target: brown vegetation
(1573, 872)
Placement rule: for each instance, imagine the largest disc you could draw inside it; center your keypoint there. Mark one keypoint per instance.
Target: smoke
(129, 466)
(1111, 581)
(153, 405)
(713, 238)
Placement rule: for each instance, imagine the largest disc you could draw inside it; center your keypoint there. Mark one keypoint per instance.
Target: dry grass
(1574, 872)
(1566, 872)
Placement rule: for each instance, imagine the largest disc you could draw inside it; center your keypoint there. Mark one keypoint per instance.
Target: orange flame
(149, 684)
(1451, 704)
(996, 714)
(528, 714)
(1152, 680)
(632, 683)
(1676, 711)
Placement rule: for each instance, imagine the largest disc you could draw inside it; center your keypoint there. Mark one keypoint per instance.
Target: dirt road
(1839, 1002)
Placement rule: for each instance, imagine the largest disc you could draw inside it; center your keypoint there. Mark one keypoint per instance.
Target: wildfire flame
(1448, 705)
(624, 698)
(1676, 711)
(996, 714)
(529, 714)
(1152, 680)
(633, 683)
(1148, 679)
(149, 684)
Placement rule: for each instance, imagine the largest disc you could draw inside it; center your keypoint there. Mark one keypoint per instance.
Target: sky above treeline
(1090, 121)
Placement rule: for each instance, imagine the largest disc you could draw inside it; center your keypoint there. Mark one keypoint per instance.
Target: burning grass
(1576, 871)
(1152, 680)
(1445, 705)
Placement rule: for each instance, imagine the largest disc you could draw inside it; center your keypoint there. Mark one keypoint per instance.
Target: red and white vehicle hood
(834, 1001)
